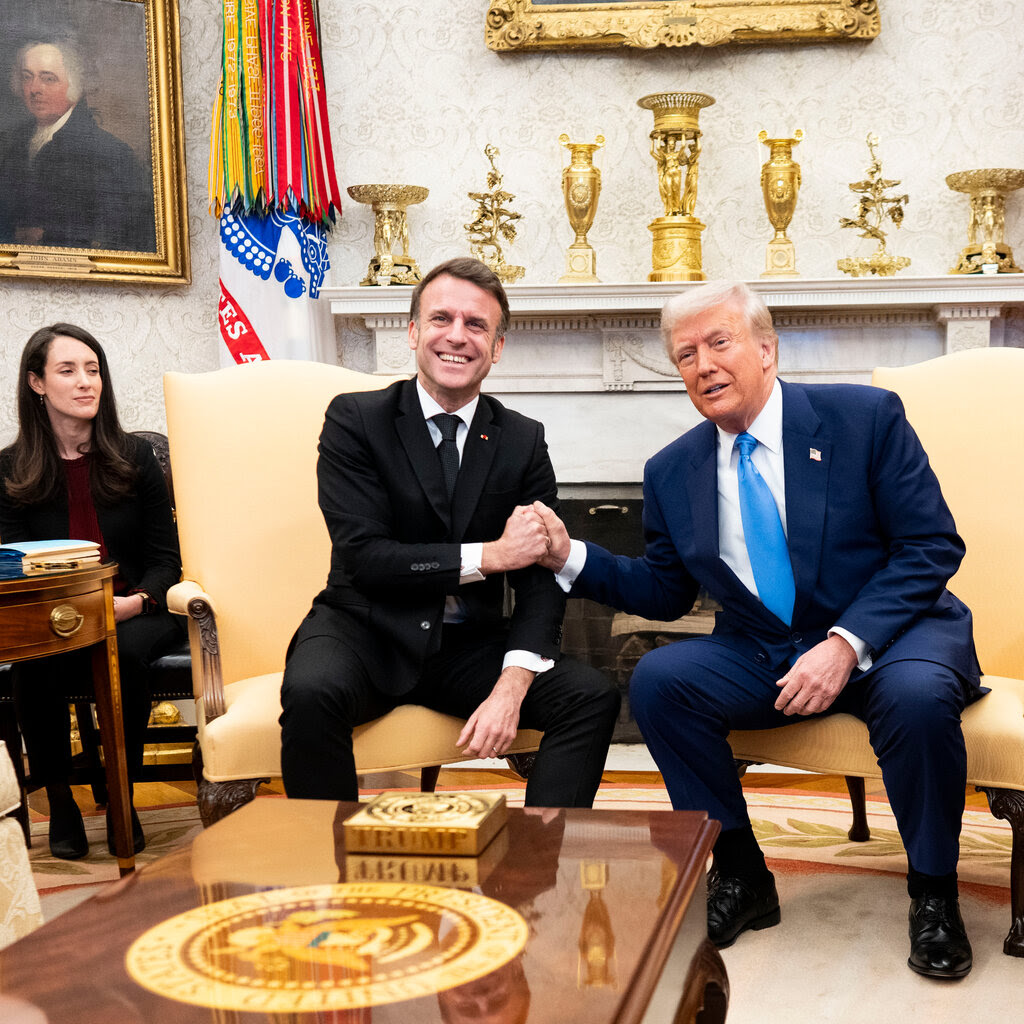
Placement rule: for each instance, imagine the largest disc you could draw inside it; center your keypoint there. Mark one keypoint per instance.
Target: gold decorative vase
(780, 183)
(390, 228)
(986, 247)
(581, 187)
(675, 147)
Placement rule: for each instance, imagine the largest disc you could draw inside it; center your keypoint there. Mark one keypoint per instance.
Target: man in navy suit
(867, 546)
(426, 528)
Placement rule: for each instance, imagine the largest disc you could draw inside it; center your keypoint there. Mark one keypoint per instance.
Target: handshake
(533, 534)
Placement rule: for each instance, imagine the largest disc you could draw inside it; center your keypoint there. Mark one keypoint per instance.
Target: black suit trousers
(42, 688)
(328, 689)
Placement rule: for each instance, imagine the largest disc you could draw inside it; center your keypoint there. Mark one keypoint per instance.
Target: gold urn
(780, 183)
(675, 148)
(581, 187)
(986, 247)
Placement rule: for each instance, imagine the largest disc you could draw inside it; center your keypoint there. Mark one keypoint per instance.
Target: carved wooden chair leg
(1008, 804)
(217, 800)
(859, 832)
(521, 764)
(428, 778)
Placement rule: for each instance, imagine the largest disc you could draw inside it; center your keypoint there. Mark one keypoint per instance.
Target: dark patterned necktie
(448, 450)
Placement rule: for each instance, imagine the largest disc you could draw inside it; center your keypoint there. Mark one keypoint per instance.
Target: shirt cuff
(573, 565)
(865, 656)
(472, 556)
(528, 660)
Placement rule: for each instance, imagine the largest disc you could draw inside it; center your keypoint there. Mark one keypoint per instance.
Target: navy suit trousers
(687, 696)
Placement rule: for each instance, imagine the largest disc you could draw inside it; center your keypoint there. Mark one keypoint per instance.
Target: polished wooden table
(610, 904)
(51, 613)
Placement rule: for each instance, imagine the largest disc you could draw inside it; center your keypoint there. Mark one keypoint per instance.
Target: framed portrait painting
(595, 24)
(92, 163)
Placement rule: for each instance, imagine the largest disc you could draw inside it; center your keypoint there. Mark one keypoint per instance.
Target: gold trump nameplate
(438, 824)
(450, 872)
(320, 948)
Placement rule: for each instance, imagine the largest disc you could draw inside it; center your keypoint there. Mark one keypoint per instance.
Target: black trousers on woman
(43, 687)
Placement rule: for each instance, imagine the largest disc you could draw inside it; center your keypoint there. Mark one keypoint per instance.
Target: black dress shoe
(736, 904)
(67, 831)
(138, 839)
(939, 947)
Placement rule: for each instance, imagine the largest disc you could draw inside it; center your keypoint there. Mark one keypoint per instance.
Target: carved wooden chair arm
(188, 598)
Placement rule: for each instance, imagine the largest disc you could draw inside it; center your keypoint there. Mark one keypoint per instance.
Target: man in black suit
(426, 488)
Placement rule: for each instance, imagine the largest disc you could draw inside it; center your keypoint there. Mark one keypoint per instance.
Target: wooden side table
(56, 612)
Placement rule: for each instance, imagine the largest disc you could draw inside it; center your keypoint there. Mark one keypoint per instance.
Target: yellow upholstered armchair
(968, 409)
(255, 551)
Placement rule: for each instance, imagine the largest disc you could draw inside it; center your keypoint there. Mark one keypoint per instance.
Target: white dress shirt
(769, 459)
(472, 554)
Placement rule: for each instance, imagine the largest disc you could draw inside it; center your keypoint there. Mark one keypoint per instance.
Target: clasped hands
(533, 534)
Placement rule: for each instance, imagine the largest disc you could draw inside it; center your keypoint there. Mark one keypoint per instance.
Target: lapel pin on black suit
(815, 455)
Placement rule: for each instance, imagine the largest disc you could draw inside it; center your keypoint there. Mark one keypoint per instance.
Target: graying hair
(72, 65)
(717, 293)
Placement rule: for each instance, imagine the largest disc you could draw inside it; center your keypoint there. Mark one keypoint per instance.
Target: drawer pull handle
(622, 509)
(65, 621)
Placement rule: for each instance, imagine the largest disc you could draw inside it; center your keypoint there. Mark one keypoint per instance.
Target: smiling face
(454, 340)
(71, 384)
(728, 370)
(45, 83)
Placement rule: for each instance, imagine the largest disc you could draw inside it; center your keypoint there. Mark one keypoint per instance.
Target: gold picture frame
(516, 25)
(103, 197)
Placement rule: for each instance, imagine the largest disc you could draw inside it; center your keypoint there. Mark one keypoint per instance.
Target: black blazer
(396, 539)
(138, 531)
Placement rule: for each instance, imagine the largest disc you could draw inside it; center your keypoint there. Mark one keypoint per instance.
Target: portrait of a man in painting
(75, 157)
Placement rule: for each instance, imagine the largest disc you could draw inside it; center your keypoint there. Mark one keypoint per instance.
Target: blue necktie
(448, 450)
(765, 539)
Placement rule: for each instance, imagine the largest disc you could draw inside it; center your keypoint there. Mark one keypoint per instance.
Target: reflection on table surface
(597, 890)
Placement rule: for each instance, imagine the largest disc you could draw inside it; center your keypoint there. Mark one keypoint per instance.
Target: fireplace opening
(614, 641)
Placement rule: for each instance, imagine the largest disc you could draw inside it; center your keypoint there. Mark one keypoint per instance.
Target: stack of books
(26, 558)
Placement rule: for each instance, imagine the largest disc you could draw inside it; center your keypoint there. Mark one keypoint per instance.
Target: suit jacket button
(760, 657)
(797, 638)
(424, 624)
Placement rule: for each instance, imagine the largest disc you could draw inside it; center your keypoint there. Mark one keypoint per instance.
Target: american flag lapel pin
(484, 437)
(815, 455)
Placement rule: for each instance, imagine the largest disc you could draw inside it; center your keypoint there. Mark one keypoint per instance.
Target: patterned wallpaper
(415, 99)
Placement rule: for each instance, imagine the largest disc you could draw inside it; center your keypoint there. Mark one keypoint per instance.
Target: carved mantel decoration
(538, 24)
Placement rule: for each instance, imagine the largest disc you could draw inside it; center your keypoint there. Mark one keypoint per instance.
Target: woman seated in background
(72, 472)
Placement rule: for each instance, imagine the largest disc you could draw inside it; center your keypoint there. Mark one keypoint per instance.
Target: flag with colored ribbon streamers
(272, 183)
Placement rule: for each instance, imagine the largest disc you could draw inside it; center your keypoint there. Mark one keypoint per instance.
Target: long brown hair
(36, 473)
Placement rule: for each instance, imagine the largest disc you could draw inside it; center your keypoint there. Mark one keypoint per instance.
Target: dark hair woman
(73, 472)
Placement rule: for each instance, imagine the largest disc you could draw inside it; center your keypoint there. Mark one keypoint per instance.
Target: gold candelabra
(874, 207)
(494, 221)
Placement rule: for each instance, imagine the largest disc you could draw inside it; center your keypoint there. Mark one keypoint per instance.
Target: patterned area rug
(839, 955)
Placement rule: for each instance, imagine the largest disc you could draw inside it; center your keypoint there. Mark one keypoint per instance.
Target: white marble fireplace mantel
(588, 360)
